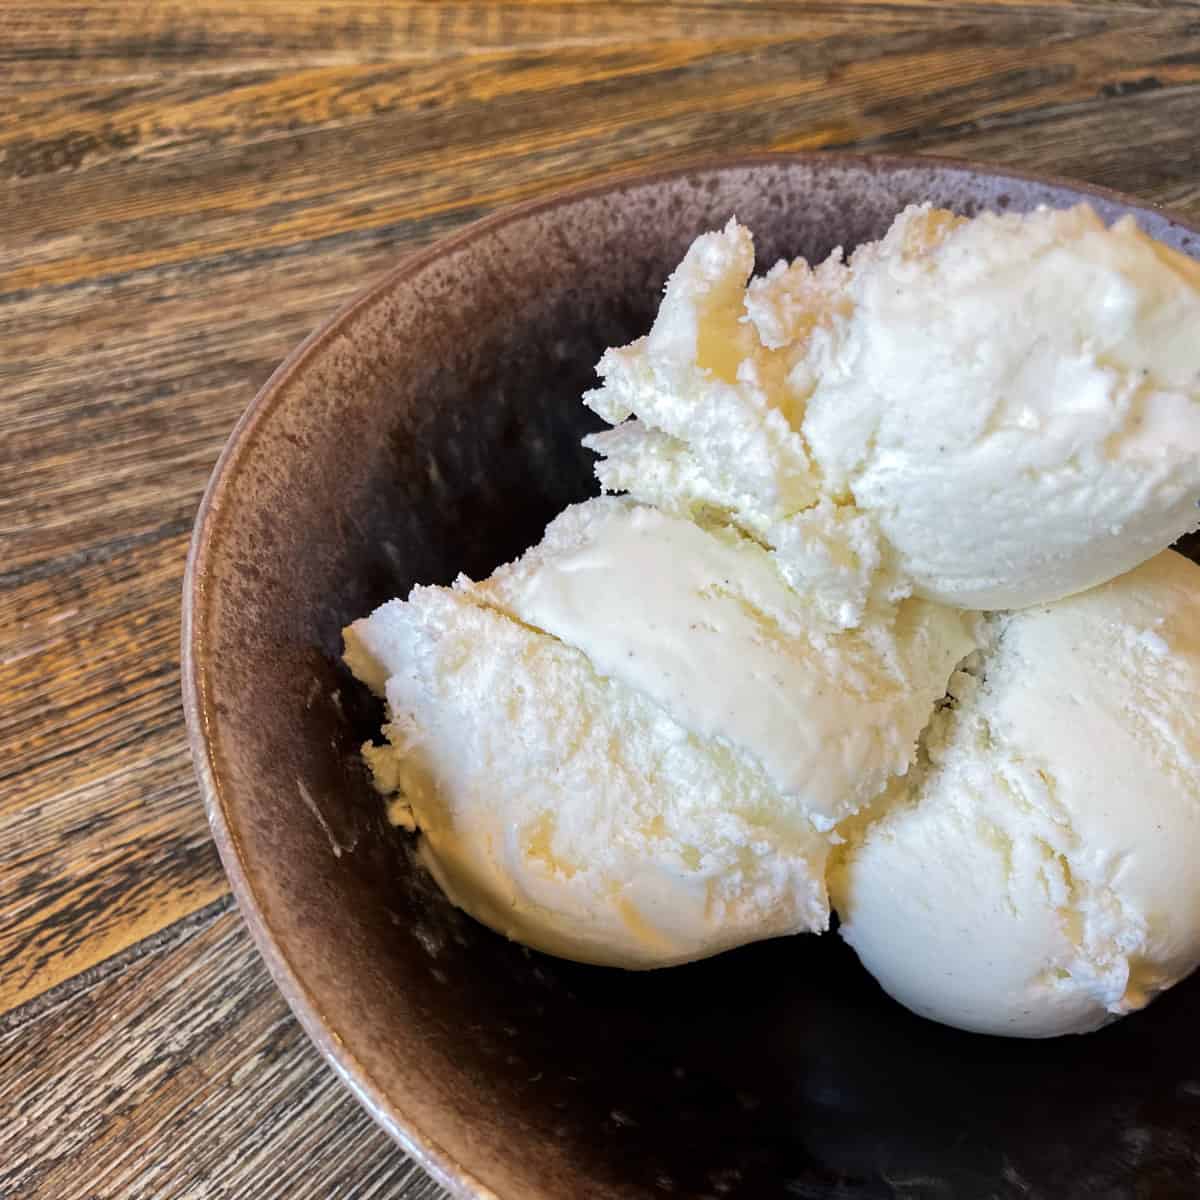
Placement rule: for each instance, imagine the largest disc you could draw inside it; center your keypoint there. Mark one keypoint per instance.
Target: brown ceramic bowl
(433, 426)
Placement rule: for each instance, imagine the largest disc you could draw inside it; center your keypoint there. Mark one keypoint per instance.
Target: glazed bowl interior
(433, 427)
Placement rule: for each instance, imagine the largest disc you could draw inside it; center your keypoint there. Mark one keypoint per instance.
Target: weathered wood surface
(140, 1091)
(184, 192)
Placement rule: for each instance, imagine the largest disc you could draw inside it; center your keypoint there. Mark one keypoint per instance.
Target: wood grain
(266, 161)
(184, 192)
(66, 40)
(102, 839)
(184, 1075)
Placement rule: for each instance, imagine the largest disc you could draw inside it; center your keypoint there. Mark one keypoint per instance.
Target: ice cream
(832, 552)
(696, 710)
(715, 433)
(630, 745)
(1037, 875)
(1013, 400)
(1017, 400)
(566, 810)
(704, 377)
(702, 623)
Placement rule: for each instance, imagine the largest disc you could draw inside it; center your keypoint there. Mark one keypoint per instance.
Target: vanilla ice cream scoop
(566, 810)
(1038, 875)
(630, 746)
(1009, 405)
(1016, 399)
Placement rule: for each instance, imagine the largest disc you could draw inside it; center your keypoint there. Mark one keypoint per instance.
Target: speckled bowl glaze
(433, 427)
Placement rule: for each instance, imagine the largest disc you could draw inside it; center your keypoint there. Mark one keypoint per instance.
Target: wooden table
(186, 191)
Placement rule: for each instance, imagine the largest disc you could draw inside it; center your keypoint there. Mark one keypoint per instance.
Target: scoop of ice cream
(1037, 875)
(565, 809)
(1016, 399)
(629, 746)
(1012, 401)
(702, 622)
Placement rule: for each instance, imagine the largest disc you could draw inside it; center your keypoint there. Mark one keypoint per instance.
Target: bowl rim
(397, 1119)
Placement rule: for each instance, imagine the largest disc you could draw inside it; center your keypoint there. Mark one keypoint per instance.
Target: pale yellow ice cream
(642, 742)
(702, 623)
(1010, 405)
(630, 746)
(1016, 399)
(566, 810)
(710, 420)
(1039, 874)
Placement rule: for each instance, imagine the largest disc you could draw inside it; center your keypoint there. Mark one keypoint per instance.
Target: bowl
(431, 427)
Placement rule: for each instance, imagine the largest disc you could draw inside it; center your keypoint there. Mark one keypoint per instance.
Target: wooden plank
(1104, 143)
(329, 152)
(119, 398)
(184, 1075)
(102, 836)
(64, 40)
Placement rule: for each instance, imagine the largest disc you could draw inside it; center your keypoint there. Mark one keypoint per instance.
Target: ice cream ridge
(877, 611)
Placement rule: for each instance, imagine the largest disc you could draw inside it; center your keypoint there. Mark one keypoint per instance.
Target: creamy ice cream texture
(639, 766)
(703, 624)
(566, 810)
(641, 743)
(1039, 872)
(1012, 400)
